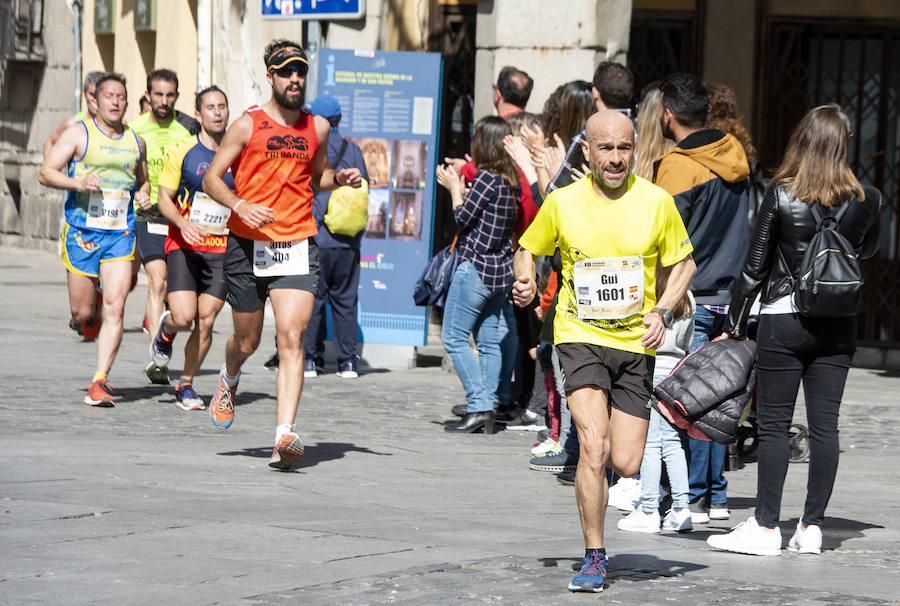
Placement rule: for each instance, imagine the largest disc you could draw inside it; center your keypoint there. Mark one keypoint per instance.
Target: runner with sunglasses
(277, 153)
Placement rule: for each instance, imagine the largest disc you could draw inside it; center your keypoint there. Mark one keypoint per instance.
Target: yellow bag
(348, 210)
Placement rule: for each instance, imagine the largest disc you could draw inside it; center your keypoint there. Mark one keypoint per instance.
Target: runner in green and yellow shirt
(162, 128)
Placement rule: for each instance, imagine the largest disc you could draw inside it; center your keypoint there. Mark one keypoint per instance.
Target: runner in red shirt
(276, 153)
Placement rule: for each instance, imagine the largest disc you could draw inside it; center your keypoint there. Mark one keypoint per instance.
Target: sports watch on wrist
(665, 314)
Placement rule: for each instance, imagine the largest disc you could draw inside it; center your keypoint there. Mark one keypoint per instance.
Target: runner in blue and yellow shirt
(107, 175)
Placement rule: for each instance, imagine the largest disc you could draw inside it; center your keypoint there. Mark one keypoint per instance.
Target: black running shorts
(246, 291)
(627, 377)
(151, 246)
(197, 271)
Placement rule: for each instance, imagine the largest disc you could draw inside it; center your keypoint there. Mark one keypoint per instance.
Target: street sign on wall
(390, 107)
(313, 9)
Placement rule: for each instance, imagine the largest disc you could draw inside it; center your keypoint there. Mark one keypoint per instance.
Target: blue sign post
(390, 106)
(313, 9)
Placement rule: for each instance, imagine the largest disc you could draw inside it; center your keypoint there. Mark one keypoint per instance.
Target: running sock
(99, 376)
(182, 382)
(229, 380)
(283, 429)
(587, 552)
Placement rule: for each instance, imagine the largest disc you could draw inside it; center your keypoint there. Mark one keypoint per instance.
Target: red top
(275, 169)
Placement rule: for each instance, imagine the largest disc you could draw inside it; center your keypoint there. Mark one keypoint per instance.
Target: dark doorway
(452, 33)
(664, 42)
(856, 65)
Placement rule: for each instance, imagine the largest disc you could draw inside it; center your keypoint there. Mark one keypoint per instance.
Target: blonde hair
(816, 165)
(650, 145)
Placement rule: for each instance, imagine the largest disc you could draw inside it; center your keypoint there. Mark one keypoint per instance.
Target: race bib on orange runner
(280, 258)
(609, 289)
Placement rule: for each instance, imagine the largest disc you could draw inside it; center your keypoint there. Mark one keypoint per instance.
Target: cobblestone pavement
(145, 503)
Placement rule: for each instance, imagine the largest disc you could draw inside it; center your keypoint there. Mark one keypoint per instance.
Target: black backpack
(829, 284)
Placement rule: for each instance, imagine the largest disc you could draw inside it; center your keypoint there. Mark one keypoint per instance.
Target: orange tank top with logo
(275, 170)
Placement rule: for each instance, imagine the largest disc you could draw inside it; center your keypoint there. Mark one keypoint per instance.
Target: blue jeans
(706, 460)
(509, 349)
(663, 444)
(473, 309)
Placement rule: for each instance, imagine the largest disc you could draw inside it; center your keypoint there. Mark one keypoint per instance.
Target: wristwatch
(665, 314)
(334, 178)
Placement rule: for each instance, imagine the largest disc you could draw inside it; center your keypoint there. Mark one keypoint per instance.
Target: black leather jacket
(783, 230)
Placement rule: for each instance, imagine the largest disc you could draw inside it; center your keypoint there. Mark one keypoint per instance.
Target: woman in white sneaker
(663, 442)
(815, 348)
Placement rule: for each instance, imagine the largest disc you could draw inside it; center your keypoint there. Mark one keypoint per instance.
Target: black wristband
(334, 178)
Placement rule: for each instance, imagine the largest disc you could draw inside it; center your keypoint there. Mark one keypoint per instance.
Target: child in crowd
(663, 442)
(544, 352)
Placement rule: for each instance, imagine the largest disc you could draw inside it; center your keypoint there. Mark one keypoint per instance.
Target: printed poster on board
(390, 104)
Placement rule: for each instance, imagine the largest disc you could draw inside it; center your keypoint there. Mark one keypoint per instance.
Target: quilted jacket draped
(706, 393)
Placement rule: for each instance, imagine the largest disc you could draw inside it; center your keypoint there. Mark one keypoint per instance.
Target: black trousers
(339, 286)
(791, 349)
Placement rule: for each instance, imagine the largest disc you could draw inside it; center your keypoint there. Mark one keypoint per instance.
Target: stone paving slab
(147, 504)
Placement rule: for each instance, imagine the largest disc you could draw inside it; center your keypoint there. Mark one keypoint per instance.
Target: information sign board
(390, 103)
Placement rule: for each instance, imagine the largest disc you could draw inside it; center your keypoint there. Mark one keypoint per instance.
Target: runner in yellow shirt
(162, 128)
(612, 228)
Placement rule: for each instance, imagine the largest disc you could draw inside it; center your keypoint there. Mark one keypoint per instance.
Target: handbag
(348, 207)
(434, 283)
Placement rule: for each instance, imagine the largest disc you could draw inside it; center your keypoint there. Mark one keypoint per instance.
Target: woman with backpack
(807, 328)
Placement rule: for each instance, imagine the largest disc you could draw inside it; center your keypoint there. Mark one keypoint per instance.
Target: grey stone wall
(34, 98)
(555, 42)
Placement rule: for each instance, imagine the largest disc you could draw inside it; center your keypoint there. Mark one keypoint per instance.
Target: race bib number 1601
(609, 289)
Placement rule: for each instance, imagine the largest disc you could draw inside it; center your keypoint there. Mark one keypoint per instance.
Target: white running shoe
(639, 521)
(625, 494)
(806, 541)
(748, 537)
(718, 512)
(547, 447)
(678, 520)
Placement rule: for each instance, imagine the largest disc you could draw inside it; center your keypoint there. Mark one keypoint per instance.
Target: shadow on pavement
(635, 567)
(313, 454)
(834, 531)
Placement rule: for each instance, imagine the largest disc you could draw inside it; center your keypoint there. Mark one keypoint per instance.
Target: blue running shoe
(186, 398)
(592, 574)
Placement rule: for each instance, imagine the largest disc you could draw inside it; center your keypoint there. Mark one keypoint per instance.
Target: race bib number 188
(280, 258)
(609, 289)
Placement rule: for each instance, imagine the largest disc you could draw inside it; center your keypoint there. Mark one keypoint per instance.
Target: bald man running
(612, 229)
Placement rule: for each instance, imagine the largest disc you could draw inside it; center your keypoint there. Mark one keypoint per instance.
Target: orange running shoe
(91, 328)
(221, 407)
(98, 394)
(287, 452)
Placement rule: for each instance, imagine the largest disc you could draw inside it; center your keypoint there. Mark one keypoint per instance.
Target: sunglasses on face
(287, 70)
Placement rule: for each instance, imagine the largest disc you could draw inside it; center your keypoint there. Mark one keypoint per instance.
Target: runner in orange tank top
(277, 153)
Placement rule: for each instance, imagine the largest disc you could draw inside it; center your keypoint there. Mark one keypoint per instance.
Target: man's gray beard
(605, 185)
(282, 100)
